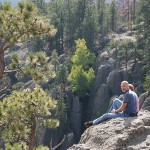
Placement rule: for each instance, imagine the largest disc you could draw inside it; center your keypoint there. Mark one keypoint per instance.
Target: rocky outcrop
(101, 77)
(62, 58)
(76, 117)
(100, 102)
(113, 81)
(118, 134)
(110, 70)
(71, 129)
(138, 73)
(146, 104)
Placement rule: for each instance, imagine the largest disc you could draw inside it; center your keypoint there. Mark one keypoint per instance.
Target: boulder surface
(131, 133)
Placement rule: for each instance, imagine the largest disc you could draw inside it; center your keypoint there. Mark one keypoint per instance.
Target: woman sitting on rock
(129, 107)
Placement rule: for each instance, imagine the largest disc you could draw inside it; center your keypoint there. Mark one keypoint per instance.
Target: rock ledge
(118, 134)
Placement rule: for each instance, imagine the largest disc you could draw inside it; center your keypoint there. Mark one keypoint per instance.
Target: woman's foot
(88, 124)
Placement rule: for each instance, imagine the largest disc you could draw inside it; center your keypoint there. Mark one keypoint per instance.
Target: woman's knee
(116, 100)
(107, 116)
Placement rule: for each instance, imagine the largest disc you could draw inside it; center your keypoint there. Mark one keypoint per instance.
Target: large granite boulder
(62, 58)
(146, 103)
(141, 100)
(113, 81)
(138, 73)
(102, 59)
(69, 141)
(104, 41)
(121, 29)
(100, 102)
(76, 117)
(126, 75)
(131, 133)
(101, 77)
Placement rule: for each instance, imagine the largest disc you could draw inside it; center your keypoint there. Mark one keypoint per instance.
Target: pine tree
(54, 59)
(90, 25)
(57, 12)
(40, 4)
(82, 75)
(101, 14)
(20, 113)
(147, 82)
(19, 23)
(37, 66)
(144, 29)
(125, 50)
(113, 14)
(61, 81)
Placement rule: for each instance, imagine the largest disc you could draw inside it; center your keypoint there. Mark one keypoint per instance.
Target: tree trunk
(128, 10)
(32, 136)
(2, 64)
(126, 54)
(135, 55)
(134, 3)
(116, 58)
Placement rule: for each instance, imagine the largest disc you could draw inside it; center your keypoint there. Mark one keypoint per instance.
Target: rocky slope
(118, 134)
(109, 71)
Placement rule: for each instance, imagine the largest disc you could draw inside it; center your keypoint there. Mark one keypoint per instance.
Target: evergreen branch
(3, 127)
(5, 46)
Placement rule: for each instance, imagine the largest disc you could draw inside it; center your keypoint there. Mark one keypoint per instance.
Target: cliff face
(118, 134)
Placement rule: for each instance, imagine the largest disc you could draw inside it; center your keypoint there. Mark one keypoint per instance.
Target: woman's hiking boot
(88, 124)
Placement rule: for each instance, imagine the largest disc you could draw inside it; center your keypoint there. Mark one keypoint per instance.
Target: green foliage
(15, 61)
(19, 23)
(61, 74)
(81, 80)
(16, 146)
(81, 75)
(16, 24)
(17, 86)
(90, 25)
(113, 44)
(42, 148)
(38, 44)
(23, 109)
(41, 5)
(125, 50)
(101, 11)
(54, 59)
(82, 55)
(22, 146)
(113, 15)
(68, 61)
(37, 66)
(144, 30)
(147, 82)
(61, 81)
(4, 82)
(61, 108)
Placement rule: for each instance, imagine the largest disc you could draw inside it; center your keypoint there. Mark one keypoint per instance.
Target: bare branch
(4, 88)
(60, 143)
(15, 70)
(2, 96)
(10, 71)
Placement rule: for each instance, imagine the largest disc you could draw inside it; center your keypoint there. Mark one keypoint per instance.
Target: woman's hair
(131, 87)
